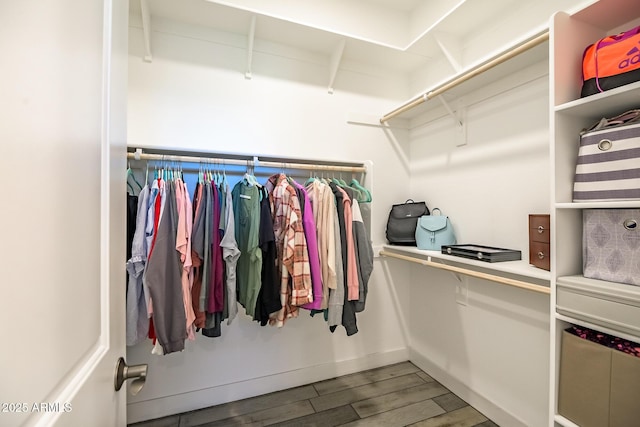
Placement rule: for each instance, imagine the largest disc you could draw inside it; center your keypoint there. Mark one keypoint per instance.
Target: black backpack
(403, 220)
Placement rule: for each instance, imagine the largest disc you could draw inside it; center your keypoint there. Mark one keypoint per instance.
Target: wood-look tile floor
(394, 395)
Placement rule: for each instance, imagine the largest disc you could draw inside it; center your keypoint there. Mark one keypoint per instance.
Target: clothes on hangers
(246, 207)
(137, 325)
(364, 256)
(291, 247)
(214, 295)
(348, 311)
(163, 278)
(275, 249)
(337, 296)
(197, 252)
(323, 206)
(230, 254)
(309, 227)
(269, 295)
(183, 246)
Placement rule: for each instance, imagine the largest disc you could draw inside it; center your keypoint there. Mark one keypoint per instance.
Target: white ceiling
(403, 5)
(396, 24)
(397, 35)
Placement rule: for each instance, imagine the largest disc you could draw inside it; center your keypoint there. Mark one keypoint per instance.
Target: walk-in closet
(472, 107)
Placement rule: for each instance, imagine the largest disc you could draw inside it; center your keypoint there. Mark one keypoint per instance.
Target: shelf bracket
(250, 40)
(462, 290)
(453, 273)
(461, 128)
(146, 29)
(336, 57)
(452, 48)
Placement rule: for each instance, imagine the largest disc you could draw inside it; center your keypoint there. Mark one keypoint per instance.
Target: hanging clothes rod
(255, 162)
(541, 38)
(498, 279)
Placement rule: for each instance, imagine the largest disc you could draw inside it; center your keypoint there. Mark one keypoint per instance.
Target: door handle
(124, 372)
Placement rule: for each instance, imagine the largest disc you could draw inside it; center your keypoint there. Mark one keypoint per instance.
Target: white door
(62, 211)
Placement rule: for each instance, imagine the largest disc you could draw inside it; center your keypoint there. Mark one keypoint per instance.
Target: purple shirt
(216, 292)
(309, 227)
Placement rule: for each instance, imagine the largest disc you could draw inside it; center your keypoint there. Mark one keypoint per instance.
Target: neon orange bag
(611, 62)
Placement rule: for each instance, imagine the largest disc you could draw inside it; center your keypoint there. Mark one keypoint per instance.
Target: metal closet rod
(439, 90)
(255, 162)
(492, 277)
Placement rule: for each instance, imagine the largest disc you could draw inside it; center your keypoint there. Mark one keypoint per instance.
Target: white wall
(495, 350)
(193, 96)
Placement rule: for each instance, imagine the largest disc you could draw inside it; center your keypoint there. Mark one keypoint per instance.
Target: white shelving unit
(602, 303)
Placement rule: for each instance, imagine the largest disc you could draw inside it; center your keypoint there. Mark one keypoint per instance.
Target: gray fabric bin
(611, 245)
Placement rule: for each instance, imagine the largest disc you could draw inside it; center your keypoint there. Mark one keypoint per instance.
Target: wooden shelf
(519, 268)
(514, 273)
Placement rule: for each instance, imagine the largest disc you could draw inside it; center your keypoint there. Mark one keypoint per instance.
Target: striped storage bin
(608, 166)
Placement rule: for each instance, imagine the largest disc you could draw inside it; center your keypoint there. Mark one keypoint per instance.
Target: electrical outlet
(462, 291)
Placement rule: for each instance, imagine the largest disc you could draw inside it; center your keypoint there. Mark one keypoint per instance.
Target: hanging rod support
(451, 48)
(497, 60)
(461, 130)
(446, 106)
(336, 57)
(250, 40)
(146, 29)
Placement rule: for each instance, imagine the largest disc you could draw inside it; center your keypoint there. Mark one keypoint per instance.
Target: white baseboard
(224, 393)
(488, 408)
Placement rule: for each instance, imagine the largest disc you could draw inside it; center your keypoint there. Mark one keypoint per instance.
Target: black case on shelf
(482, 253)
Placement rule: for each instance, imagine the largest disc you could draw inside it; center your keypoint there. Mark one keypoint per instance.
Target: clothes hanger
(250, 171)
(323, 179)
(225, 183)
(310, 179)
(341, 181)
(128, 175)
(131, 174)
(289, 178)
(216, 174)
(367, 194)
